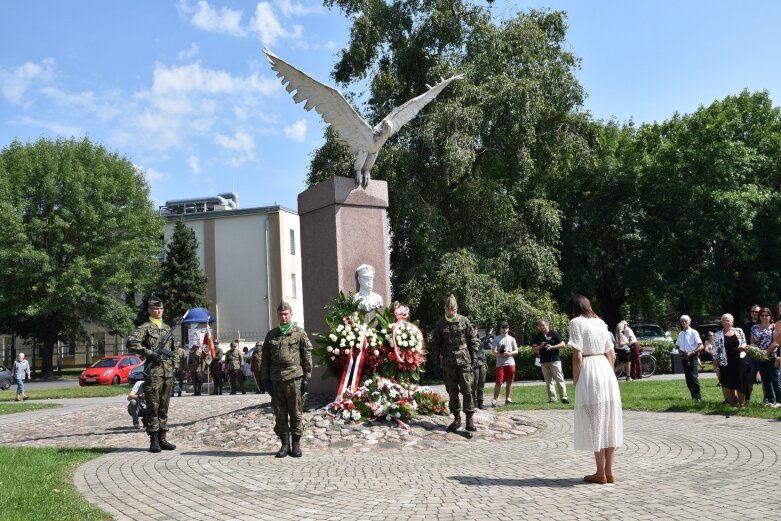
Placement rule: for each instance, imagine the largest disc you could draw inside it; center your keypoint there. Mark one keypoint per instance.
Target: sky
(182, 89)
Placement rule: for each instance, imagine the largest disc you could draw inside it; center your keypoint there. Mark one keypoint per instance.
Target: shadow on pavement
(527, 482)
(225, 453)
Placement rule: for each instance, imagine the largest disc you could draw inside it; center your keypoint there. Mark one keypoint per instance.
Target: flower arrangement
(404, 347)
(380, 398)
(348, 333)
(756, 353)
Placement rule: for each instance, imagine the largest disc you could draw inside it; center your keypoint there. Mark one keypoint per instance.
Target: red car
(110, 370)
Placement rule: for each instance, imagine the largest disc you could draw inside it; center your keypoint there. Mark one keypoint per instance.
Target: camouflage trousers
(288, 407)
(479, 383)
(459, 380)
(157, 392)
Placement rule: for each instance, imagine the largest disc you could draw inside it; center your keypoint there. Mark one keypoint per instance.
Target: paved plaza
(673, 466)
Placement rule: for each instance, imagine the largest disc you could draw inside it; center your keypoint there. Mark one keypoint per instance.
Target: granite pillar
(342, 227)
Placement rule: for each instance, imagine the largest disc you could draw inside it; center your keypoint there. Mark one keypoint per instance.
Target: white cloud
(195, 78)
(105, 106)
(296, 131)
(205, 17)
(60, 129)
(242, 113)
(241, 141)
(266, 24)
(152, 175)
(290, 9)
(194, 163)
(190, 52)
(14, 83)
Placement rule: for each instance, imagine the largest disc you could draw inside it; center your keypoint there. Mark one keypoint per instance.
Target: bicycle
(648, 363)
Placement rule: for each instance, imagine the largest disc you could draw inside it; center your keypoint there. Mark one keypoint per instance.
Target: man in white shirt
(505, 348)
(689, 345)
(136, 406)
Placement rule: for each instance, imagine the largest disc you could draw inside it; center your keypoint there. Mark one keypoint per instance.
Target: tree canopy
(80, 234)
(182, 282)
(472, 180)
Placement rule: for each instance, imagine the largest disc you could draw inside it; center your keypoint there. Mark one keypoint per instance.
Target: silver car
(650, 332)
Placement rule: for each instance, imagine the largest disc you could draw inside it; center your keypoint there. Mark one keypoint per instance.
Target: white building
(251, 258)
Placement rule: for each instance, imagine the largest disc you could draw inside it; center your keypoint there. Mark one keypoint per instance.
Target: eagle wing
(399, 116)
(327, 101)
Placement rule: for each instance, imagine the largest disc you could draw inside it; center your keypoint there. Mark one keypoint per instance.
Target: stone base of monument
(342, 227)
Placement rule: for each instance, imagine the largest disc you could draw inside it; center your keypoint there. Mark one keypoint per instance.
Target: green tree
(710, 183)
(79, 235)
(475, 174)
(601, 239)
(182, 283)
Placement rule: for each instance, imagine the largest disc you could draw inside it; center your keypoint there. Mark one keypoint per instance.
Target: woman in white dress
(598, 421)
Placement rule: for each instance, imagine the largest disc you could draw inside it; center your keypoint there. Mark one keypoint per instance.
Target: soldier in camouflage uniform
(180, 367)
(257, 353)
(158, 374)
(195, 367)
(285, 369)
(235, 360)
(454, 343)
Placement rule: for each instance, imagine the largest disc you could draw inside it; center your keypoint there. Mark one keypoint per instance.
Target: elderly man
(286, 367)
(20, 371)
(454, 343)
(689, 344)
(158, 373)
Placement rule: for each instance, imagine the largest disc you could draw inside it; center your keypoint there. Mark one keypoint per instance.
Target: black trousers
(691, 370)
(236, 374)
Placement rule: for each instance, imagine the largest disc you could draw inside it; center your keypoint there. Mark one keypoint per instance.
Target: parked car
(136, 374)
(109, 370)
(650, 332)
(704, 329)
(5, 378)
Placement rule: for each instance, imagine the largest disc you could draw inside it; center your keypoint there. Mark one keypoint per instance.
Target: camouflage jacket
(145, 341)
(234, 359)
(194, 362)
(180, 360)
(455, 342)
(285, 357)
(255, 360)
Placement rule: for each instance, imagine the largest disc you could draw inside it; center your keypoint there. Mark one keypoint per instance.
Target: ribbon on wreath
(352, 371)
(402, 314)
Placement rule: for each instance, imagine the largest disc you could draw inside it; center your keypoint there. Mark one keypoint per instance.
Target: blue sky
(182, 89)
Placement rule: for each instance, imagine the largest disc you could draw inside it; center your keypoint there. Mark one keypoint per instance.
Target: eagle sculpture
(363, 140)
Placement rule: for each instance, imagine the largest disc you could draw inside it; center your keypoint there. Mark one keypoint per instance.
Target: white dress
(598, 421)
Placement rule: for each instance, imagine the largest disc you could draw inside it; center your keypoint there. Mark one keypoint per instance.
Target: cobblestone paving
(673, 466)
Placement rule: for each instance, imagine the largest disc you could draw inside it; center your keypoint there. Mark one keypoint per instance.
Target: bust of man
(366, 298)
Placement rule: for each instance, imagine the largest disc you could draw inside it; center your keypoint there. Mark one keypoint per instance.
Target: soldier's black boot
(165, 444)
(295, 450)
(480, 404)
(456, 423)
(470, 422)
(154, 442)
(285, 448)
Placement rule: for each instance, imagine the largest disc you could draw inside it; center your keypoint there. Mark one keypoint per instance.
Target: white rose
(340, 328)
(404, 336)
(352, 344)
(376, 353)
(388, 417)
(367, 382)
(383, 331)
(356, 415)
(332, 337)
(343, 343)
(398, 415)
(333, 357)
(346, 414)
(329, 349)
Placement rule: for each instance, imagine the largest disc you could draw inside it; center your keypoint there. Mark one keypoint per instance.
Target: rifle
(161, 349)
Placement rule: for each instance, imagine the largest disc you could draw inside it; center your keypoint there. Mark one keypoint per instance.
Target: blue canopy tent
(198, 316)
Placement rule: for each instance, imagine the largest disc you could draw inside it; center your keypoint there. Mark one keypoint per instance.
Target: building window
(293, 293)
(292, 242)
(100, 344)
(71, 349)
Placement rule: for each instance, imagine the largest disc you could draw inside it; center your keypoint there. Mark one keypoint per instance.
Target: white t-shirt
(510, 347)
(138, 388)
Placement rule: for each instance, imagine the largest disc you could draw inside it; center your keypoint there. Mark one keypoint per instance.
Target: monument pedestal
(342, 227)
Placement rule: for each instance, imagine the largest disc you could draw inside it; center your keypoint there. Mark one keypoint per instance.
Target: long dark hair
(578, 305)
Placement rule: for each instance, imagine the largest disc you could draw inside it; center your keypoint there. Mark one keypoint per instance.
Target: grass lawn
(8, 408)
(37, 484)
(646, 395)
(95, 391)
